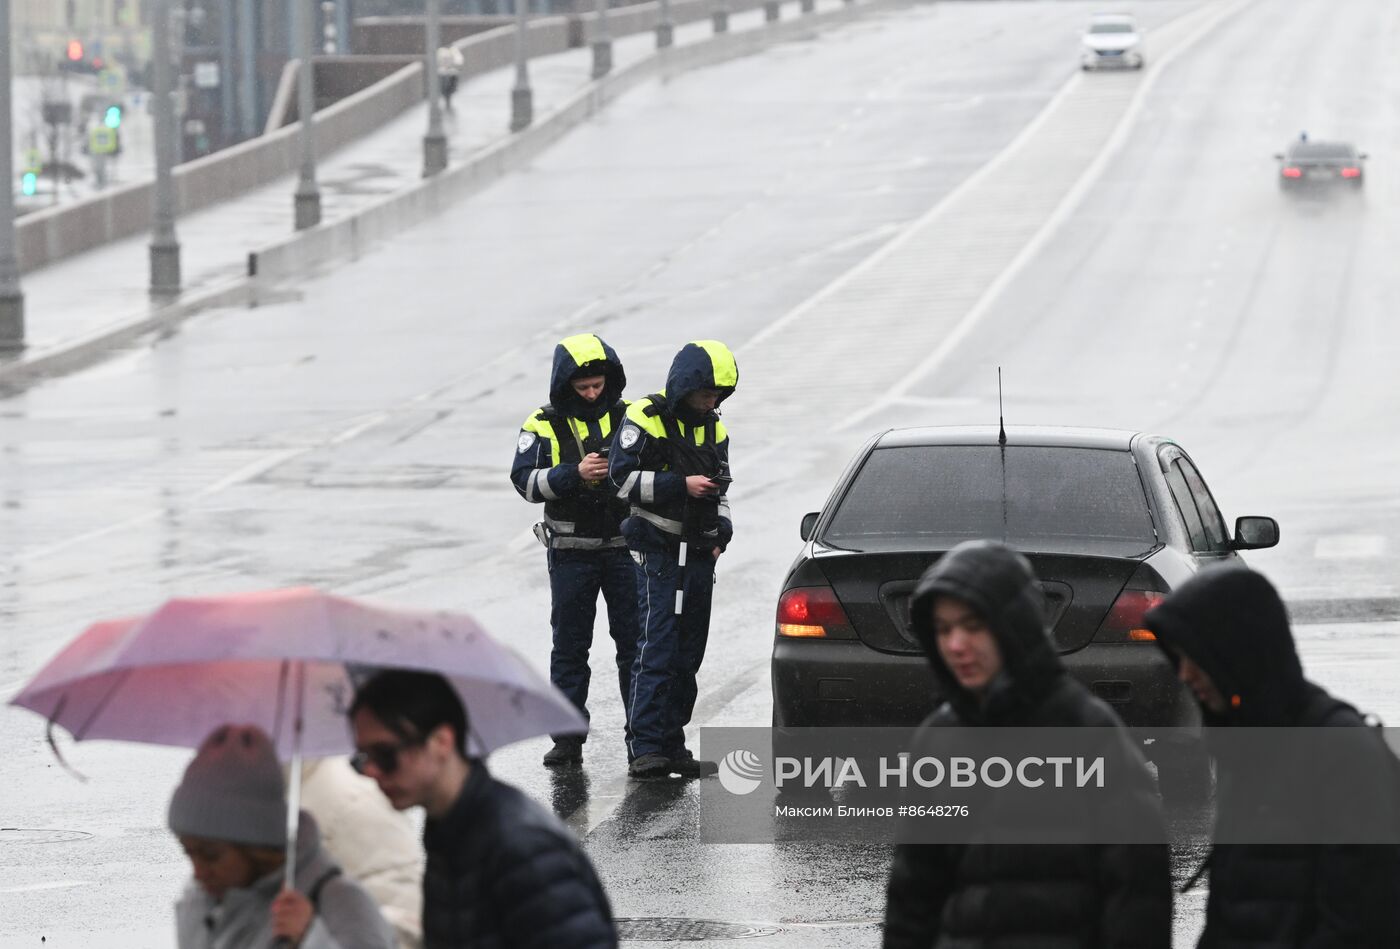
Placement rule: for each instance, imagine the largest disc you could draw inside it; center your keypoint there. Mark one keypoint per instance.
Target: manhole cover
(23, 835)
(688, 930)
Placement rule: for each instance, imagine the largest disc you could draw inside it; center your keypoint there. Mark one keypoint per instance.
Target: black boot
(567, 750)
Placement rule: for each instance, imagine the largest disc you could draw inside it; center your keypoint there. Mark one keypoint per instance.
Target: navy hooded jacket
(663, 440)
(555, 438)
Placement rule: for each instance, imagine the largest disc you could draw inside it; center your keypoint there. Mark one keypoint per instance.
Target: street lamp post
(11, 297)
(434, 142)
(602, 43)
(522, 101)
(307, 200)
(665, 29)
(164, 247)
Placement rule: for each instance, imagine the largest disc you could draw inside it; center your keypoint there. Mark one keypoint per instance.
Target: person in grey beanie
(230, 815)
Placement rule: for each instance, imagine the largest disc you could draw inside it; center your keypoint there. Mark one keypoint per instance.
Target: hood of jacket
(1232, 623)
(579, 357)
(703, 364)
(1001, 586)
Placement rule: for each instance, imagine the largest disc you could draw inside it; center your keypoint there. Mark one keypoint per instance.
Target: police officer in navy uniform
(671, 463)
(561, 460)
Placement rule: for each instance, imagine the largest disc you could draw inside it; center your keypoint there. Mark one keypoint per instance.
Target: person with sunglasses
(502, 871)
(230, 816)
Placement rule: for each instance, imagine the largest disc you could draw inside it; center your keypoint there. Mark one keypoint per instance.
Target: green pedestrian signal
(113, 118)
(29, 184)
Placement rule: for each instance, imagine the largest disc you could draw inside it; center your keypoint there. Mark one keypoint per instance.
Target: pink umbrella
(287, 661)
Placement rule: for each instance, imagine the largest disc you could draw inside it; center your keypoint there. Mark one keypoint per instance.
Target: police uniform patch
(628, 436)
(527, 439)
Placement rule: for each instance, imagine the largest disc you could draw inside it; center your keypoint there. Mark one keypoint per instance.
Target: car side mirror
(1255, 533)
(1278, 156)
(809, 524)
(1363, 156)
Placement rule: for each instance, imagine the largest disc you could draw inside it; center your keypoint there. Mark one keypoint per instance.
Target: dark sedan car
(1313, 164)
(1111, 522)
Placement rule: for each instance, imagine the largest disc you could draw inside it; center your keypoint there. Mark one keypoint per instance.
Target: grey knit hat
(232, 790)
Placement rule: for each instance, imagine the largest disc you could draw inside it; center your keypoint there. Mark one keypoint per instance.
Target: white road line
(36, 887)
(1349, 547)
(1062, 211)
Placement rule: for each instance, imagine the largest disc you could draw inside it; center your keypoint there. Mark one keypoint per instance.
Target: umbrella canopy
(172, 677)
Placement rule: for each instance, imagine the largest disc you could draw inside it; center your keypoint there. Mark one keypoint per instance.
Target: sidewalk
(99, 300)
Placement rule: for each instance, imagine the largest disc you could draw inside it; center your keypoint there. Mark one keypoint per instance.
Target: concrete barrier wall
(350, 237)
(48, 236)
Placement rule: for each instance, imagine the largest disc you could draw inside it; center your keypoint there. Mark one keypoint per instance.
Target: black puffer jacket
(503, 873)
(999, 896)
(1232, 623)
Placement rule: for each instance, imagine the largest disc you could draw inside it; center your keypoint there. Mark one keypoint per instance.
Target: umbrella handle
(294, 780)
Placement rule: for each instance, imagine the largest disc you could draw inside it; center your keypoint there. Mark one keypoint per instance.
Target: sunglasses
(384, 757)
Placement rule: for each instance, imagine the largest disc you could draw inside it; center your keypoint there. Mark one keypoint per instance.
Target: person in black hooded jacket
(1227, 631)
(561, 461)
(979, 614)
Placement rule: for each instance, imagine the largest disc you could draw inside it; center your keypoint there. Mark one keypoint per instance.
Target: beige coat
(374, 844)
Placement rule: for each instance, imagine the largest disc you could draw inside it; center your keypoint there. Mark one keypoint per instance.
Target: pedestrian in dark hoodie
(979, 614)
(1227, 632)
(671, 462)
(561, 461)
(502, 871)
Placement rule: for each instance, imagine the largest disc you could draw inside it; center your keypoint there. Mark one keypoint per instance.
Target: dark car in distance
(1111, 521)
(1309, 164)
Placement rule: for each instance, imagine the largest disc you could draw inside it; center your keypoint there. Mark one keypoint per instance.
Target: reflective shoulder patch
(526, 442)
(628, 436)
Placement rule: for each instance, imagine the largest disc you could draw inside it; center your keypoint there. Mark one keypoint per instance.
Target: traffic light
(29, 184)
(113, 117)
(75, 51)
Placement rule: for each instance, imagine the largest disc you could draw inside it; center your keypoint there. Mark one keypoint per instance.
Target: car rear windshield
(1110, 28)
(1325, 151)
(1051, 499)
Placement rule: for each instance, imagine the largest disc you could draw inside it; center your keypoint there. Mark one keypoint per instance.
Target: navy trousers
(576, 577)
(670, 649)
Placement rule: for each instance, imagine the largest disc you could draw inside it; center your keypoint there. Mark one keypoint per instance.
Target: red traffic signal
(75, 50)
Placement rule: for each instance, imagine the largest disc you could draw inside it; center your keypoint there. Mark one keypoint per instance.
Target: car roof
(1111, 18)
(1055, 436)
(1321, 147)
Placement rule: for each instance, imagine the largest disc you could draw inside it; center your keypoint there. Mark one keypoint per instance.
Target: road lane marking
(1061, 213)
(1349, 546)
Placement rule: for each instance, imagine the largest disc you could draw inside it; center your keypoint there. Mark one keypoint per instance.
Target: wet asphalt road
(358, 437)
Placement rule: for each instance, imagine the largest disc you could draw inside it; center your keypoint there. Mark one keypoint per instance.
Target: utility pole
(665, 28)
(522, 101)
(164, 247)
(602, 43)
(11, 296)
(434, 142)
(307, 200)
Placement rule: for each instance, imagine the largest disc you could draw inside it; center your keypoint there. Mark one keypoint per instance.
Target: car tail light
(812, 613)
(1124, 623)
(1351, 172)
(1292, 172)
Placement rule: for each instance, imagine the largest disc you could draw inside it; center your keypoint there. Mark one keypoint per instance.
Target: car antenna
(1001, 440)
(1001, 417)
